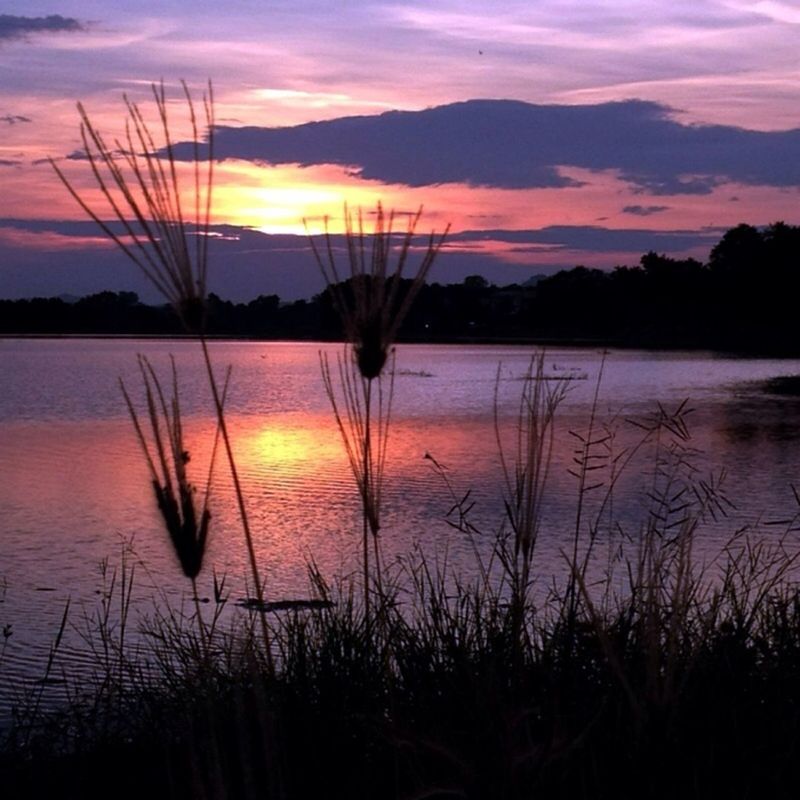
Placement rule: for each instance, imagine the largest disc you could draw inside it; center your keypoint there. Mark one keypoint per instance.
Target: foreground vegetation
(674, 690)
(645, 668)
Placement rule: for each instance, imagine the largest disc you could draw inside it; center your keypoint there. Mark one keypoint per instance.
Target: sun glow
(286, 447)
(277, 199)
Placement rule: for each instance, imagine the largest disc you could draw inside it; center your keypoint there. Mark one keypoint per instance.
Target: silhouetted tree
(744, 298)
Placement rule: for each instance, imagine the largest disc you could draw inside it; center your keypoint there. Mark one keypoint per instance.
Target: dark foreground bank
(676, 687)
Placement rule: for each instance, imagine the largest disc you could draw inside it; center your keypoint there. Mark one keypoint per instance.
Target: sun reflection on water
(307, 444)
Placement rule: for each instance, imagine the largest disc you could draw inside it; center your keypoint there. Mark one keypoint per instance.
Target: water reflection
(74, 488)
(287, 446)
(753, 415)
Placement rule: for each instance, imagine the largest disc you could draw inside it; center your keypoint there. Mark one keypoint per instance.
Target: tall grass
(525, 473)
(663, 675)
(166, 236)
(372, 305)
(167, 456)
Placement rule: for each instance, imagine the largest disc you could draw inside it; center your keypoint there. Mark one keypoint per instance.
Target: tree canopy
(743, 298)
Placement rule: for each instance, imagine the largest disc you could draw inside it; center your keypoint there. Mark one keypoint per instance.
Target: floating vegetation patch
(413, 373)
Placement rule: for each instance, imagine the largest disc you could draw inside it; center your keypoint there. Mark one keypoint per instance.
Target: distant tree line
(744, 298)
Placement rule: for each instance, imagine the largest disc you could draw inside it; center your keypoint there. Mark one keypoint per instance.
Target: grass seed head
(373, 303)
(160, 221)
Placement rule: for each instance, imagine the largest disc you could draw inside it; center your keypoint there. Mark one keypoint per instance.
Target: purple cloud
(644, 211)
(515, 145)
(12, 27)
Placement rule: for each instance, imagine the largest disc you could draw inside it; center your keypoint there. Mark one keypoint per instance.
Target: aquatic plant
(139, 179)
(186, 525)
(371, 304)
(526, 469)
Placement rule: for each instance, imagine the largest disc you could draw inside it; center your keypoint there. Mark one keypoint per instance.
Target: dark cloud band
(259, 263)
(12, 27)
(644, 211)
(513, 145)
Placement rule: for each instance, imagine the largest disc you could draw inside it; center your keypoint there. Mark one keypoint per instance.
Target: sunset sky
(633, 126)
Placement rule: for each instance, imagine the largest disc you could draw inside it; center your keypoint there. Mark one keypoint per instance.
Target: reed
(525, 472)
(372, 305)
(165, 235)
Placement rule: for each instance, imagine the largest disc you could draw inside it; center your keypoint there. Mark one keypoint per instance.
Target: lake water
(74, 490)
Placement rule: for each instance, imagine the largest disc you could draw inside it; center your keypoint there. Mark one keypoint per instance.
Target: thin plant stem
(585, 467)
(146, 202)
(372, 306)
(365, 496)
(248, 536)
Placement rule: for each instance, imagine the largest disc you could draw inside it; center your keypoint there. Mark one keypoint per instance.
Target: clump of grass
(446, 699)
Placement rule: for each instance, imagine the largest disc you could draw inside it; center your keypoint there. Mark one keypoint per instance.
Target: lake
(75, 492)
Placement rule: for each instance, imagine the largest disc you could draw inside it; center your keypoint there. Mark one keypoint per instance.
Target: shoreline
(489, 341)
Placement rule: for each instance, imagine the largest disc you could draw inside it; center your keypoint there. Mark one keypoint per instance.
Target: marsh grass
(167, 457)
(372, 304)
(525, 473)
(362, 409)
(372, 299)
(678, 688)
(166, 235)
(138, 178)
(646, 672)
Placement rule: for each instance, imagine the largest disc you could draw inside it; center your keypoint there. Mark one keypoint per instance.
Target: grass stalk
(372, 305)
(240, 501)
(138, 178)
(526, 477)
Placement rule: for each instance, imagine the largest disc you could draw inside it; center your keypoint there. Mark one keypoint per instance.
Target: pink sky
(729, 63)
